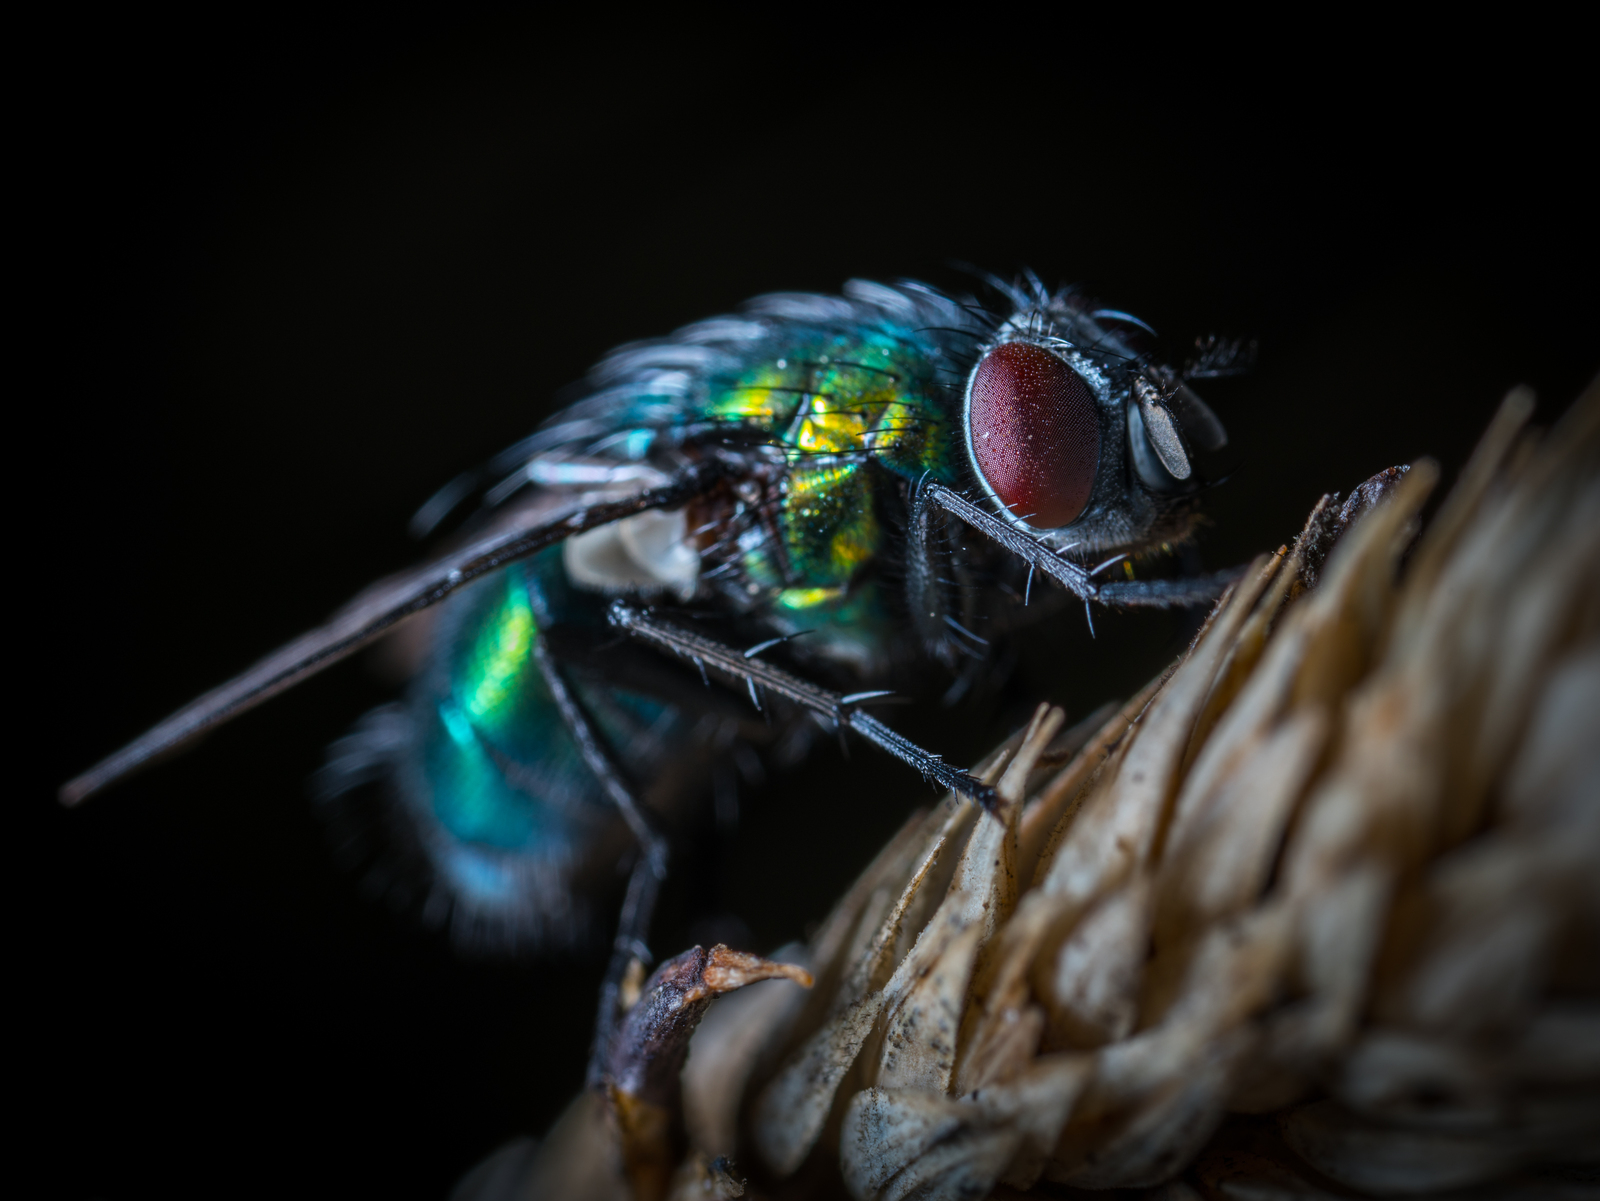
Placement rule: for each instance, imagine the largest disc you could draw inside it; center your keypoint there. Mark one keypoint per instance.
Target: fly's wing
(375, 613)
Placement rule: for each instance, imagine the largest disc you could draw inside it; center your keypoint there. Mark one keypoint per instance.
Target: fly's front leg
(758, 677)
(644, 882)
(1153, 594)
(1069, 575)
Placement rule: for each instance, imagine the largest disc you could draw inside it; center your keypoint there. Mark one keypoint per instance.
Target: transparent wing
(374, 613)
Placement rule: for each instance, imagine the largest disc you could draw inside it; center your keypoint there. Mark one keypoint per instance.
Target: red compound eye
(1035, 433)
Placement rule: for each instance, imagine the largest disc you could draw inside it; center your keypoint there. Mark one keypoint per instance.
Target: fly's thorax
(874, 389)
(834, 538)
(840, 411)
(830, 523)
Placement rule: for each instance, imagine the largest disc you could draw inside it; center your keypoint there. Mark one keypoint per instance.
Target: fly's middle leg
(758, 677)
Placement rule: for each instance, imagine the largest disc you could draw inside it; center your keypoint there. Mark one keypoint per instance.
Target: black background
(295, 276)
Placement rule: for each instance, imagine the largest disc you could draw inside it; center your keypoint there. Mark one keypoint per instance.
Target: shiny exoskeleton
(793, 481)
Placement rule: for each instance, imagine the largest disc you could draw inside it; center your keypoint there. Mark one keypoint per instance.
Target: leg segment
(1167, 594)
(633, 927)
(704, 653)
(1157, 594)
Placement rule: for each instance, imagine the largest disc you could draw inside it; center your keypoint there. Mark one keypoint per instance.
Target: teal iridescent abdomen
(497, 775)
(493, 777)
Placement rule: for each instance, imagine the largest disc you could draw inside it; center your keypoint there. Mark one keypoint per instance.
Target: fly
(883, 472)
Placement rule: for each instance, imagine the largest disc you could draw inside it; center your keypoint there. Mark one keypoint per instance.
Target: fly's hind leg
(649, 870)
(759, 677)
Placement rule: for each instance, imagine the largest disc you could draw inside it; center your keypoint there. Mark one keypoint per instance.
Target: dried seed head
(1346, 844)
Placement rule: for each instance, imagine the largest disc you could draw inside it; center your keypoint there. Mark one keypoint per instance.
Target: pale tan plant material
(1339, 867)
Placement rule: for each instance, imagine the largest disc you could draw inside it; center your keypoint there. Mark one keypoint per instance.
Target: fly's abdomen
(485, 779)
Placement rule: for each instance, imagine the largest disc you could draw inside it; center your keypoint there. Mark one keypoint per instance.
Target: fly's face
(1077, 437)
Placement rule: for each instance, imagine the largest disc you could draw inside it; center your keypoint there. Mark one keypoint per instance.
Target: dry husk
(1314, 915)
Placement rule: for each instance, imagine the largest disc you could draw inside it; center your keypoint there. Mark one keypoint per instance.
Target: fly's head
(1078, 436)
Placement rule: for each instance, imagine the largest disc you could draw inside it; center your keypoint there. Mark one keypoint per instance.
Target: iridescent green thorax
(870, 392)
(850, 413)
(830, 525)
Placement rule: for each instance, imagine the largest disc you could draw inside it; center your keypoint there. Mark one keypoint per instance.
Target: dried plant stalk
(1336, 870)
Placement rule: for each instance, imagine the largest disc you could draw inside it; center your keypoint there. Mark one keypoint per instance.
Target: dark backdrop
(296, 277)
